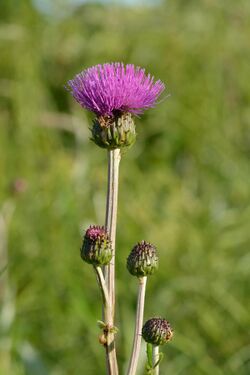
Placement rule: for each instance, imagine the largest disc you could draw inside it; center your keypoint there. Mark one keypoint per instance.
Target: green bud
(157, 331)
(143, 259)
(115, 131)
(96, 248)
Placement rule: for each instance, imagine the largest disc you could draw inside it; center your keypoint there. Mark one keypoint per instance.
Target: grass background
(184, 186)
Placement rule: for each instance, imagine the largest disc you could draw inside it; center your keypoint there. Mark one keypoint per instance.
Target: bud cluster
(96, 247)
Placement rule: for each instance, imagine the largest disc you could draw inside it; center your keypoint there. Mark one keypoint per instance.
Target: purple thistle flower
(110, 88)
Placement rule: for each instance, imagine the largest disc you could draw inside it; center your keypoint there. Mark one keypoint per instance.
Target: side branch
(138, 327)
(103, 287)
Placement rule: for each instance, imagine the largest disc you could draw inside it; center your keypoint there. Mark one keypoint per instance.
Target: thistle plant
(116, 94)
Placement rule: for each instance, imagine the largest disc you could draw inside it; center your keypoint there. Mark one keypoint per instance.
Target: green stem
(103, 287)
(155, 359)
(114, 157)
(138, 327)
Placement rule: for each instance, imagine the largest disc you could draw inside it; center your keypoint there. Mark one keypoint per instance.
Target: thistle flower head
(96, 247)
(157, 331)
(111, 87)
(143, 259)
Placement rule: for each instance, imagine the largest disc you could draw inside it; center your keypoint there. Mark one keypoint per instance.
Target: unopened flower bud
(143, 259)
(157, 331)
(102, 339)
(114, 131)
(96, 248)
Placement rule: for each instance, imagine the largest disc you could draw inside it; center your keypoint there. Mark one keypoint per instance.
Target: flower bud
(157, 331)
(96, 248)
(143, 259)
(114, 131)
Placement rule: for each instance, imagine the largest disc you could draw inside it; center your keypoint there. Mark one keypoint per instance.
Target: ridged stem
(155, 359)
(138, 327)
(114, 157)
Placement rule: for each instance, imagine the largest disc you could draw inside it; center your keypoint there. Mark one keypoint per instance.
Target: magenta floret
(108, 88)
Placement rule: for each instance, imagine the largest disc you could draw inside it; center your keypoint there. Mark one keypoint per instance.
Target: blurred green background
(184, 186)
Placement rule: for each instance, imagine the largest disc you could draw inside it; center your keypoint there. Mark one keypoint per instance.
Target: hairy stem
(114, 157)
(155, 359)
(138, 327)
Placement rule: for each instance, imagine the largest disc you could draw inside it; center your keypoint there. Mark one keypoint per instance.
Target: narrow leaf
(149, 354)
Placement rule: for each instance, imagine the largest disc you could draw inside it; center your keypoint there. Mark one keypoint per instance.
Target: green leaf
(101, 324)
(161, 355)
(149, 354)
(114, 329)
